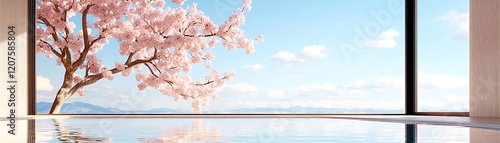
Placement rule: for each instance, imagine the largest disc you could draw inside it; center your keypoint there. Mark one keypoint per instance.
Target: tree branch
(150, 26)
(65, 20)
(209, 82)
(151, 70)
(56, 7)
(98, 38)
(67, 54)
(192, 56)
(54, 36)
(185, 29)
(53, 50)
(90, 79)
(201, 35)
(129, 58)
(87, 71)
(40, 22)
(158, 69)
(86, 43)
(141, 61)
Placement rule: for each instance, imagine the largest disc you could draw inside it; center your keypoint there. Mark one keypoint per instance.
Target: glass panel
(443, 56)
(321, 57)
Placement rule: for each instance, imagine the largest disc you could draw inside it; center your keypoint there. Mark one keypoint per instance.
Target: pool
(250, 130)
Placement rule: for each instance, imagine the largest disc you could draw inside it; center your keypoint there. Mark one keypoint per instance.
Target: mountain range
(87, 108)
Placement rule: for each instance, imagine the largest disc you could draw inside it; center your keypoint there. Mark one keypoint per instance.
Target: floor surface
(480, 122)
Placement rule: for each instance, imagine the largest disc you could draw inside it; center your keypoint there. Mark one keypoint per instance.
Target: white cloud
(43, 84)
(459, 21)
(459, 99)
(239, 89)
(360, 83)
(287, 58)
(314, 51)
(308, 52)
(450, 103)
(325, 103)
(425, 80)
(108, 87)
(384, 40)
(255, 67)
(380, 85)
(389, 82)
(443, 81)
(276, 93)
(44, 97)
(379, 93)
(355, 89)
(328, 90)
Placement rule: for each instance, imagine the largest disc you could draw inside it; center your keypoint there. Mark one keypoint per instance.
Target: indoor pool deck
(478, 122)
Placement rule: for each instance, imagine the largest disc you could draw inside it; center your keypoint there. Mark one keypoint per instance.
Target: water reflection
(74, 135)
(199, 131)
(410, 133)
(250, 130)
(484, 136)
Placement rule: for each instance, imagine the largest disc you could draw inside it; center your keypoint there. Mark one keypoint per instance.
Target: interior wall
(484, 58)
(13, 13)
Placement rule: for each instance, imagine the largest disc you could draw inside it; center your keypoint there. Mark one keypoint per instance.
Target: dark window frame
(411, 98)
(412, 65)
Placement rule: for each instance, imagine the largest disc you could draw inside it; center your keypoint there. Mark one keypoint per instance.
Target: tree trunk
(63, 93)
(58, 103)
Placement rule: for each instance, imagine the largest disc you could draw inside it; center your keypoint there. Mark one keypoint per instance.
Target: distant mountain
(307, 110)
(86, 108)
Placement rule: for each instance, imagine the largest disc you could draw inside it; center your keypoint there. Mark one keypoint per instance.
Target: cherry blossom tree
(159, 43)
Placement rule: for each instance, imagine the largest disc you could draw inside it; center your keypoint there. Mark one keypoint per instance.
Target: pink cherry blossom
(81, 92)
(77, 78)
(120, 66)
(208, 64)
(179, 2)
(259, 39)
(246, 4)
(107, 73)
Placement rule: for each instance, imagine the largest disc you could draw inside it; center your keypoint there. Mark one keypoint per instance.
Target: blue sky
(302, 62)
(443, 52)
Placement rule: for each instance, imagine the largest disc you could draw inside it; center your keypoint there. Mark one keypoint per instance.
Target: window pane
(321, 57)
(443, 56)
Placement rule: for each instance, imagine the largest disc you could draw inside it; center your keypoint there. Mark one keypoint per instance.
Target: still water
(250, 130)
